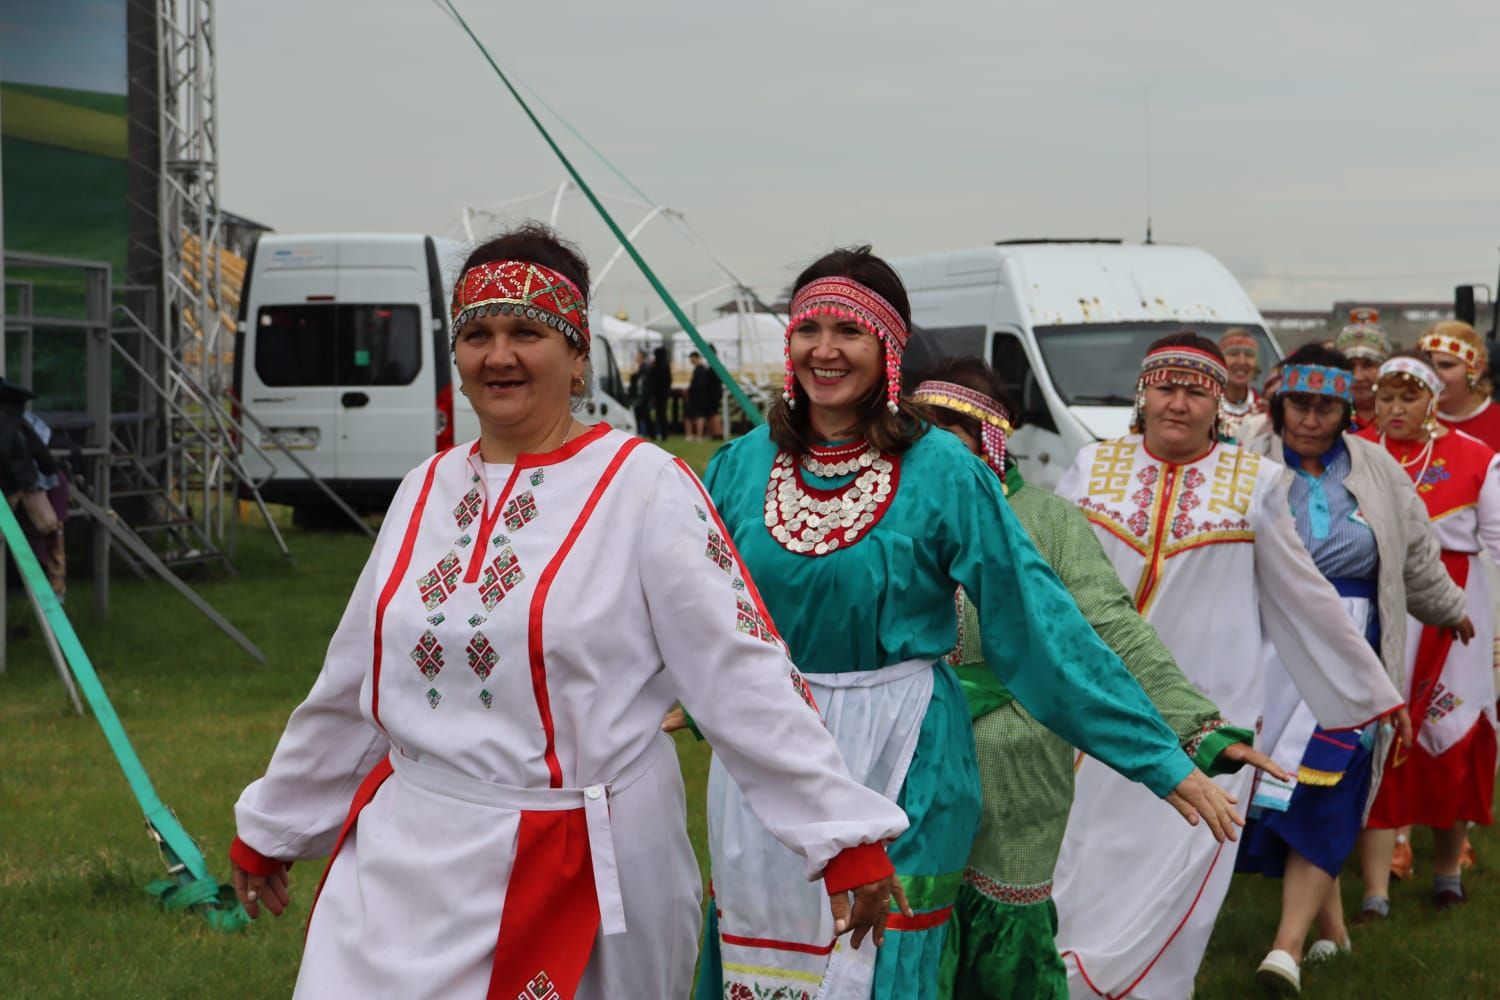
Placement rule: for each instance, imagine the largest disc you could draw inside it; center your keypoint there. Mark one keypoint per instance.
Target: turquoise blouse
(889, 597)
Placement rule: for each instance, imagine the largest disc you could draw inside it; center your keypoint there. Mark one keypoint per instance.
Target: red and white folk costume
(1212, 555)
(491, 702)
(1448, 777)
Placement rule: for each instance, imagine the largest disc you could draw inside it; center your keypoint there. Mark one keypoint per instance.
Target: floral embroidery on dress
(476, 620)
(486, 698)
(438, 583)
(1196, 743)
(465, 540)
(743, 991)
(500, 539)
(427, 654)
(1193, 479)
(702, 515)
(718, 552)
(1182, 526)
(434, 696)
(1188, 501)
(749, 621)
(740, 585)
(482, 656)
(521, 511)
(1004, 892)
(538, 477)
(540, 988)
(1138, 522)
(500, 577)
(799, 684)
(437, 619)
(468, 509)
(1435, 473)
(1147, 476)
(1142, 497)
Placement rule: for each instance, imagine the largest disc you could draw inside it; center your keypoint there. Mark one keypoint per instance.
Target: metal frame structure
(194, 321)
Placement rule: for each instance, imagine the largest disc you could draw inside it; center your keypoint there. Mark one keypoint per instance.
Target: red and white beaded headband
(1473, 357)
(846, 299)
(1413, 369)
(526, 290)
(994, 422)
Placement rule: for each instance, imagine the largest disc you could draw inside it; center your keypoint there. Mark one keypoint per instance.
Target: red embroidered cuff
(856, 866)
(251, 860)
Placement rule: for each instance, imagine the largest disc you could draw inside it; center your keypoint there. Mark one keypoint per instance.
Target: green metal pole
(709, 354)
(190, 884)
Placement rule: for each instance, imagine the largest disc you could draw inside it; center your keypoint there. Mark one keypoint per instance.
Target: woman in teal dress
(859, 527)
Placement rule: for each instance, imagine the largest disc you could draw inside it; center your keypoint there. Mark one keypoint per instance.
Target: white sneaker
(1325, 948)
(1278, 970)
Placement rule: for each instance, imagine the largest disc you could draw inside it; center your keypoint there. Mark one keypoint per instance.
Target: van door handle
(354, 399)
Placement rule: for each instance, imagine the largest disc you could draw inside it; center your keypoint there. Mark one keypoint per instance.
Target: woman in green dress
(859, 527)
(1001, 938)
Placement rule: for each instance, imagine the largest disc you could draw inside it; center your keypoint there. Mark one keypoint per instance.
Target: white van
(342, 353)
(1065, 324)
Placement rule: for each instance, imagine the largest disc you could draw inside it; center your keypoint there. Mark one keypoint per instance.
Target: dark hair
(1182, 338)
(536, 244)
(693, 354)
(790, 426)
(972, 373)
(1310, 354)
(660, 354)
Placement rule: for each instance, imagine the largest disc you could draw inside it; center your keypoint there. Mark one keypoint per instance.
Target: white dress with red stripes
(491, 705)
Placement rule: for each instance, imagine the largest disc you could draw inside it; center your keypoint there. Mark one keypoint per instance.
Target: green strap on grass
(189, 884)
(709, 354)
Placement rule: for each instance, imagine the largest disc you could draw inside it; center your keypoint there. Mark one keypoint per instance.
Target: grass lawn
(75, 920)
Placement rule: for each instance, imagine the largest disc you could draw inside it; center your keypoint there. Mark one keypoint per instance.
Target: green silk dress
(889, 598)
(1001, 940)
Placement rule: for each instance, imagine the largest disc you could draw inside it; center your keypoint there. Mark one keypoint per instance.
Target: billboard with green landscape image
(63, 147)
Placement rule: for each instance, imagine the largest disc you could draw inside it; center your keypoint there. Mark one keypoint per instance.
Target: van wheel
(320, 517)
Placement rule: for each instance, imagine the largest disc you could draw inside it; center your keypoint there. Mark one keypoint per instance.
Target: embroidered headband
(1363, 340)
(1184, 366)
(1413, 369)
(994, 422)
(847, 299)
(1454, 339)
(1238, 340)
(524, 289)
(1317, 380)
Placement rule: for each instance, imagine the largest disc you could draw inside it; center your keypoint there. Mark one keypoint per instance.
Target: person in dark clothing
(703, 395)
(640, 396)
(659, 387)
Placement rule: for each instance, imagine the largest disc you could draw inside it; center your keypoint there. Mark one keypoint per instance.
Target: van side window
(1008, 358)
(336, 345)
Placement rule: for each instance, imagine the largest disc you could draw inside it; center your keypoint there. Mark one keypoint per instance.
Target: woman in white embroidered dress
(487, 715)
(1201, 533)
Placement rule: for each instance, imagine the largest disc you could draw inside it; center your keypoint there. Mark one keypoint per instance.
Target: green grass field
(76, 922)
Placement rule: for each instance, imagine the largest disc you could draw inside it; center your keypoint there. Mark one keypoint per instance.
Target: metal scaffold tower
(195, 320)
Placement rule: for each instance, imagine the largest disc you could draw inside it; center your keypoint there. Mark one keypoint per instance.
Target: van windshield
(1095, 364)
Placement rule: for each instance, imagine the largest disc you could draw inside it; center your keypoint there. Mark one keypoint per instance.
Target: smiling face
(1241, 363)
(838, 364)
(1311, 423)
(517, 373)
(1178, 420)
(1401, 408)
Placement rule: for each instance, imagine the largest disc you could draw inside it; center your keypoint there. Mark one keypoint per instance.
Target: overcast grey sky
(1322, 150)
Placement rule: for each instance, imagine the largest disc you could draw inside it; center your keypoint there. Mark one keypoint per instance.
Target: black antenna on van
(1148, 162)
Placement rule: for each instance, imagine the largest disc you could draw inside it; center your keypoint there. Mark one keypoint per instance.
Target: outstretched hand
(1197, 798)
(872, 904)
(1244, 753)
(273, 890)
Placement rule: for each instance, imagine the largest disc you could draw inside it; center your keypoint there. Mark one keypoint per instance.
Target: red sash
(551, 912)
(1432, 653)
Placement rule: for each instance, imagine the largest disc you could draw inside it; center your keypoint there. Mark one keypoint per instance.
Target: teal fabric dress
(889, 598)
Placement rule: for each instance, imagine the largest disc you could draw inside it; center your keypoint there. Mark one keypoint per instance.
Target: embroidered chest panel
(1160, 510)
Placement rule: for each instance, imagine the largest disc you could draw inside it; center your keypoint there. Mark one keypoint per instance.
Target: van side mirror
(1464, 309)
